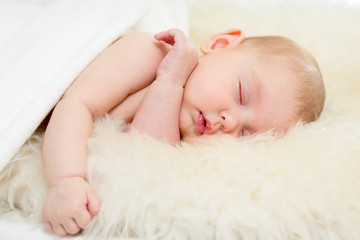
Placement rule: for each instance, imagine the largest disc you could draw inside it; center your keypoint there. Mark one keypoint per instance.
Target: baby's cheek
(182, 126)
(185, 124)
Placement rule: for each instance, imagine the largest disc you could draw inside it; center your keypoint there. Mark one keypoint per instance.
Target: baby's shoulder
(140, 42)
(125, 67)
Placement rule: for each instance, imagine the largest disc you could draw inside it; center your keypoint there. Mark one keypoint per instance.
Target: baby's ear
(228, 39)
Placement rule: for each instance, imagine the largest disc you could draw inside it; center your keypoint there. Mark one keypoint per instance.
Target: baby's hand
(69, 206)
(178, 64)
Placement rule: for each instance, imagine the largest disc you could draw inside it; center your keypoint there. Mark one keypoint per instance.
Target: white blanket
(41, 58)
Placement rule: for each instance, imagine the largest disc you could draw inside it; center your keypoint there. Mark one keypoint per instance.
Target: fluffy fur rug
(304, 185)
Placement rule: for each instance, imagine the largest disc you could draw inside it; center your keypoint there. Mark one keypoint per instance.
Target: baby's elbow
(73, 104)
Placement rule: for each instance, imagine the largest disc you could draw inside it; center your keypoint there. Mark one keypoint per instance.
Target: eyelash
(240, 93)
(243, 132)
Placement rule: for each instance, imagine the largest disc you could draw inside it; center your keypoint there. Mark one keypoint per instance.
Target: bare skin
(112, 84)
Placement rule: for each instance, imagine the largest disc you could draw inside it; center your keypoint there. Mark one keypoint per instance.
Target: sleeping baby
(239, 87)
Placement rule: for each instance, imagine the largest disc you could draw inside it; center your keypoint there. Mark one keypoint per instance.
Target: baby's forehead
(278, 53)
(275, 48)
(272, 43)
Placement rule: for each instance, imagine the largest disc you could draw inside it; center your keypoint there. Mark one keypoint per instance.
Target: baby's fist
(69, 206)
(178, 64)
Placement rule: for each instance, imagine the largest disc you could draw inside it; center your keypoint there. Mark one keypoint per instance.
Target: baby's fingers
(165, 37)
(83, 219)
(59, 229)
(174, 37)
(48, 226)
(71, 227)
(178, 63)
(94, 202)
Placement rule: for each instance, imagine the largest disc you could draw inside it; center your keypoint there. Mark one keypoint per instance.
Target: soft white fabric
(14, 226)
(13, 15)
(41, 58)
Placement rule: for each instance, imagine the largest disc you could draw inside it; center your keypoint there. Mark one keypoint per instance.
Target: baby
(238, 87)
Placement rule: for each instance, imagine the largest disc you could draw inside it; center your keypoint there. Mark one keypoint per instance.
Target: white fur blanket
(302, 186)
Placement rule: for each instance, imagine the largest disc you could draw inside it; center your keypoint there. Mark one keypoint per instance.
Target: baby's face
(234, 92)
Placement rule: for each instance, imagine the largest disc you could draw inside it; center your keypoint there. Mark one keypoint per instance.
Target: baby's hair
(286, 54)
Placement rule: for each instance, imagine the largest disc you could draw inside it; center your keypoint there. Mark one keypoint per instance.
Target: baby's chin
(192, 140)
(199, 139)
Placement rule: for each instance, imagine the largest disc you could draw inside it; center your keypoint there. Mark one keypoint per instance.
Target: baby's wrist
(170, 80)
(63, 179)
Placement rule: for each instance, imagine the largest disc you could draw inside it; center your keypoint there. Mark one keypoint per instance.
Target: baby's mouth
(200, 124)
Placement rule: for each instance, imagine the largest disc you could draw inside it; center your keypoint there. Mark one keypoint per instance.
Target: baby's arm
(71, 201)
(158, 113)
(107, 81)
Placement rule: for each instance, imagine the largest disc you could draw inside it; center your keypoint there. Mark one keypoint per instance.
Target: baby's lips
(200, 124)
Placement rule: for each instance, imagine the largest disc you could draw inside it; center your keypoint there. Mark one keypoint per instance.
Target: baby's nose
(229, 122)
